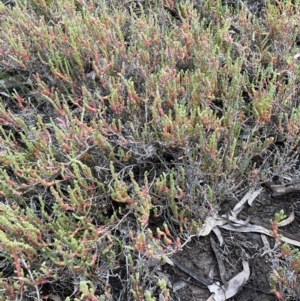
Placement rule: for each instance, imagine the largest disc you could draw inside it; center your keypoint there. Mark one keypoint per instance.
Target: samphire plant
(123, 124)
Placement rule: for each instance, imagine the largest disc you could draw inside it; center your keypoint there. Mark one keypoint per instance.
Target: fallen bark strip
(279, 191)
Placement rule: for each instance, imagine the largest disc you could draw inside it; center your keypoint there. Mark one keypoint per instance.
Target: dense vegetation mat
(124, 125)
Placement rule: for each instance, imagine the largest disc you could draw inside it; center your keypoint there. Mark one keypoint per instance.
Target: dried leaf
(249, 197)
(259, 229)
(221, 265)
(211, 222)
(287, 220)
(265, 241)
(219, 235)
(237, 222)
(229, 289)
(168, 260)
